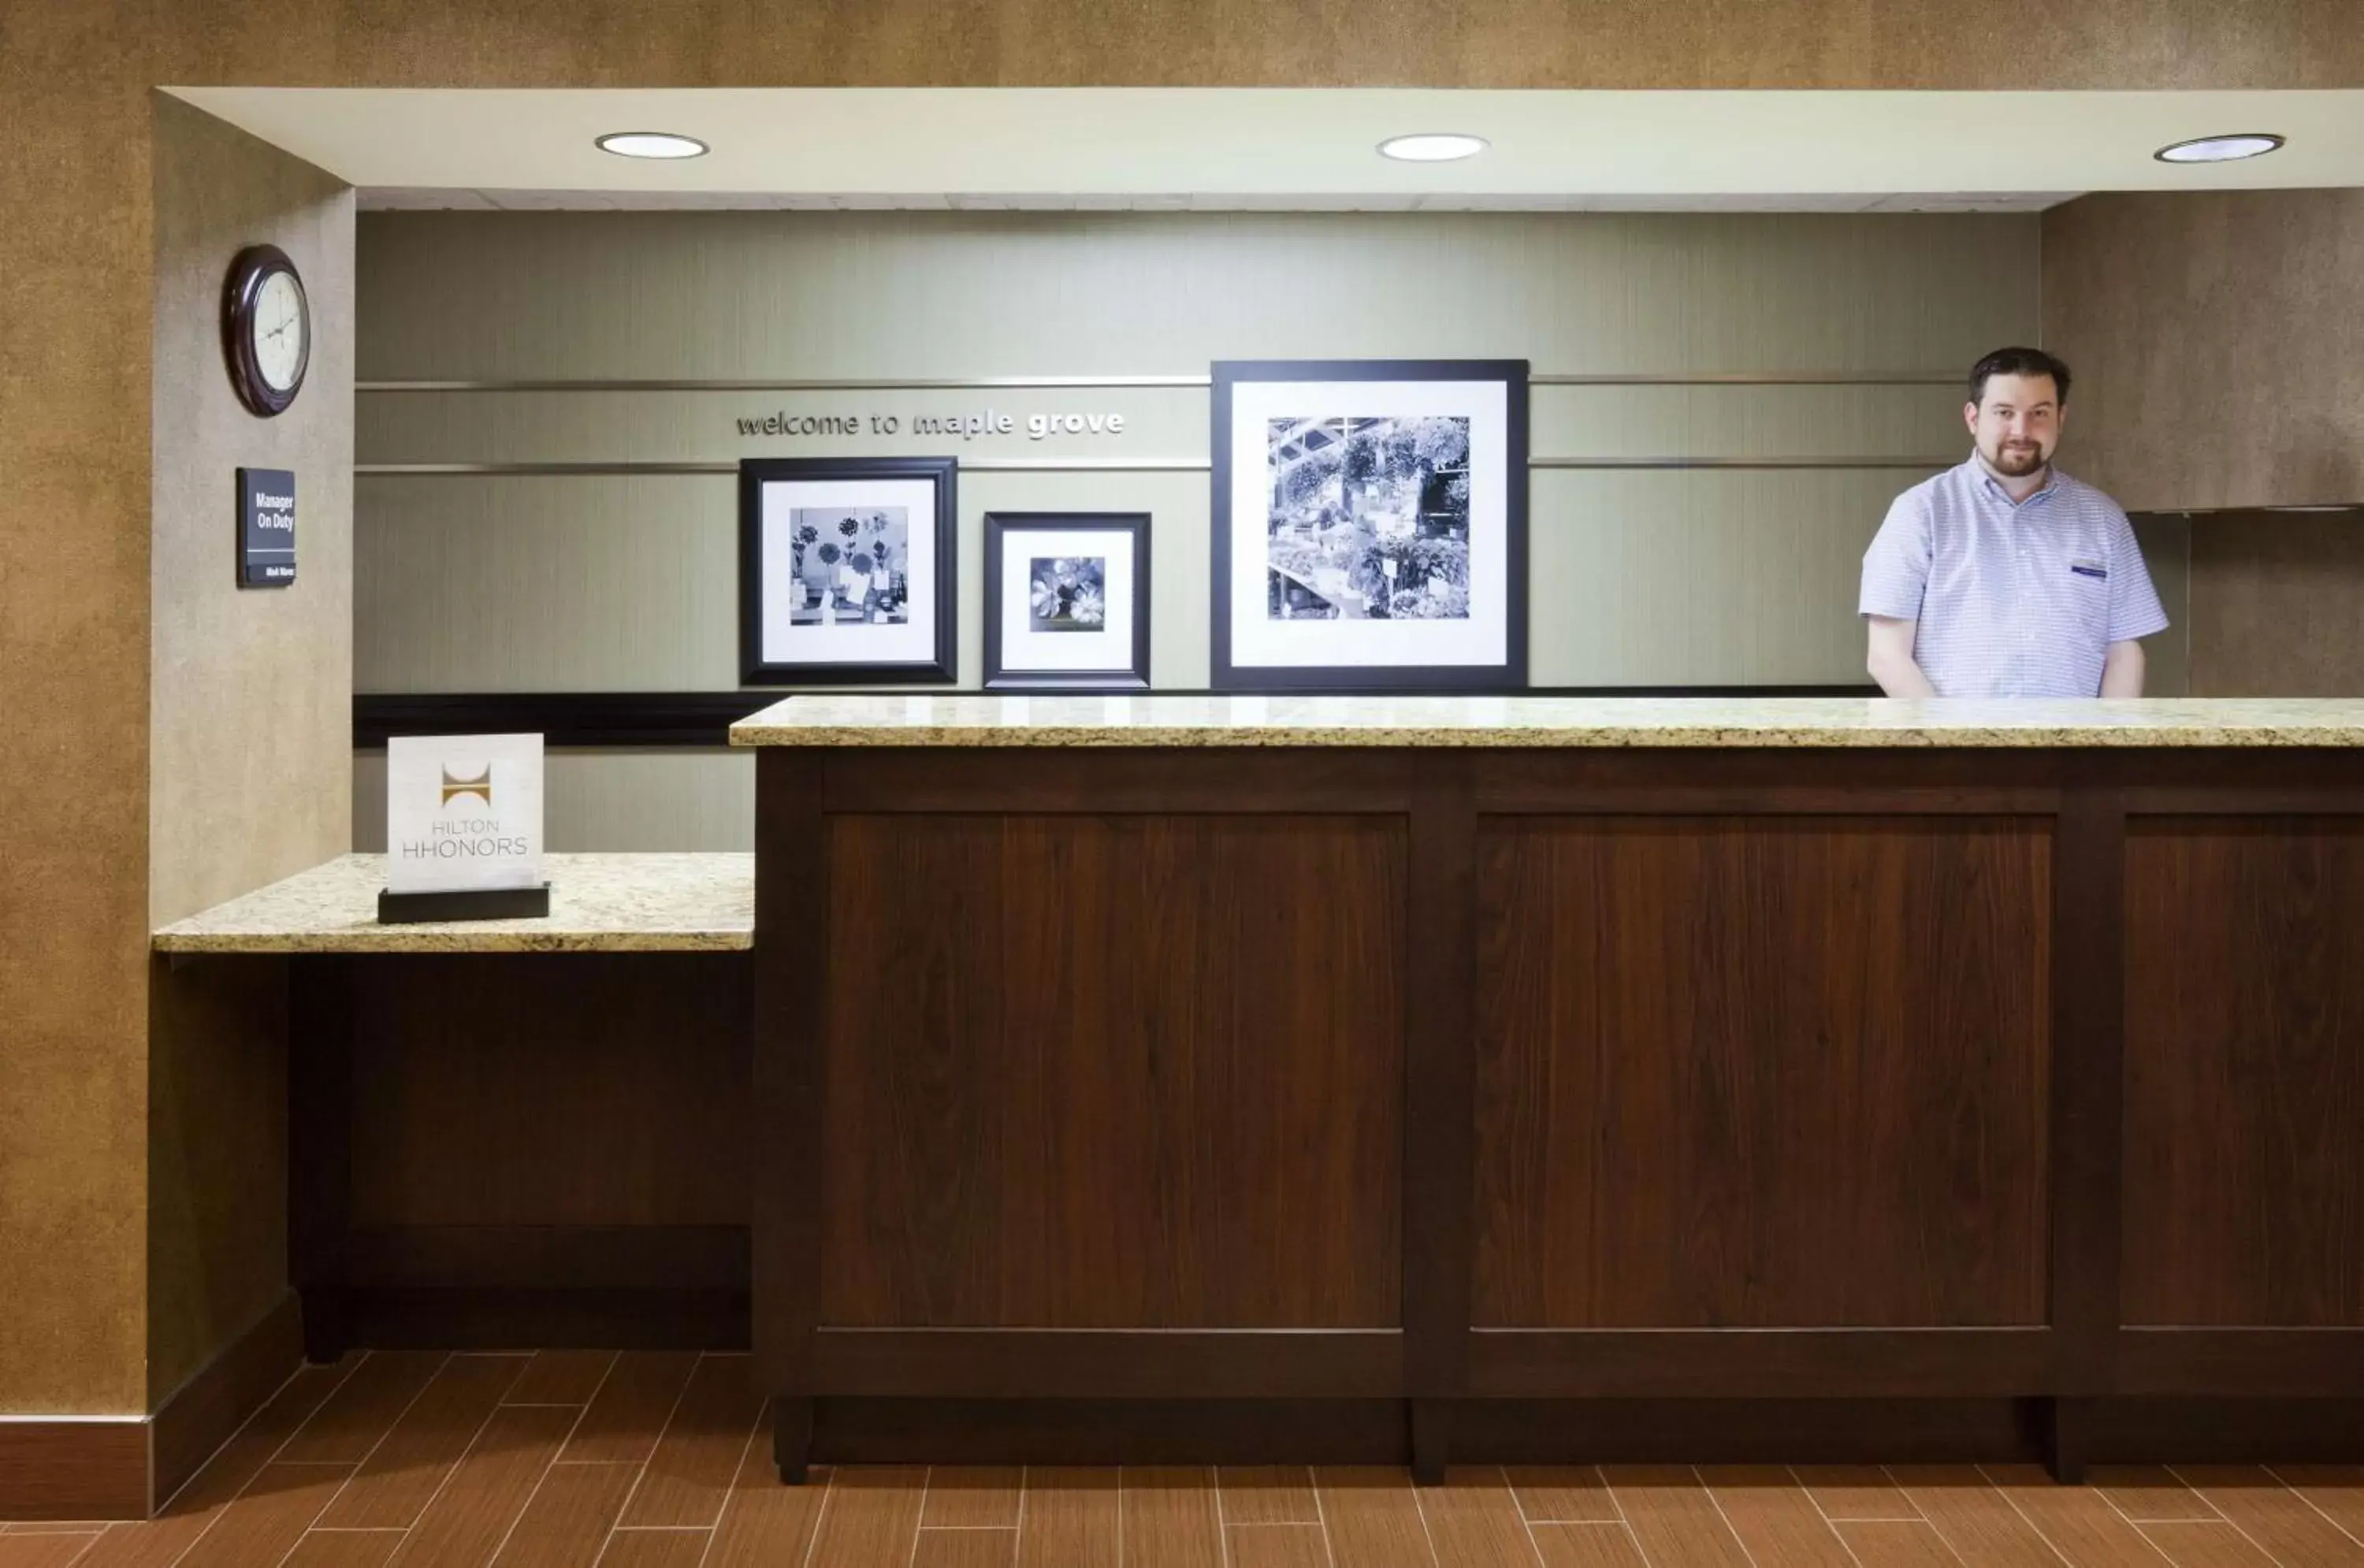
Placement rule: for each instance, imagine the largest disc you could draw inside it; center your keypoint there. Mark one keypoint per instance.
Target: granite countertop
(703, 903)
(973, 720)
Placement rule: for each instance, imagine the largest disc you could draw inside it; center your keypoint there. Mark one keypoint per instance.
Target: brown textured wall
(2277, 604)
(74, 708)
(2218, 341)
(251, 725)
(75, 273)
(1439, 43)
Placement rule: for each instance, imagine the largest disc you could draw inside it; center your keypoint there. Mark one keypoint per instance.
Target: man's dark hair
(2018, 362)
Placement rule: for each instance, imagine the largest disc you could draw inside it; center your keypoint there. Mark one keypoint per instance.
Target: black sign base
(474, 904)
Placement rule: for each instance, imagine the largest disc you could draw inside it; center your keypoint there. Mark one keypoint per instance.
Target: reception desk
(1334, 1077)
(1150, 1079)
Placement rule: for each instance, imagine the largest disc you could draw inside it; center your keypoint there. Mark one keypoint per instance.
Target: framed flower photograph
(1369, 525)
(1066, 604)
(846, 570)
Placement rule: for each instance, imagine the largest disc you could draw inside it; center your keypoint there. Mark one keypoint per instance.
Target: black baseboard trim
(703, 719)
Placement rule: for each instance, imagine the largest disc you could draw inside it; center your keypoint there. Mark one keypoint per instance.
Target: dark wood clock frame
(248, 272)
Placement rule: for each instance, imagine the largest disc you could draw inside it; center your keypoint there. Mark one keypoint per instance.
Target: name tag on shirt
(2088, 569)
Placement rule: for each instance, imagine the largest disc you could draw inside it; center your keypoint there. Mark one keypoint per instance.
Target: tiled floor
(651, 1461)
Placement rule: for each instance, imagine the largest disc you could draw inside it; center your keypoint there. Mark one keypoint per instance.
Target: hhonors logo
(456, 784)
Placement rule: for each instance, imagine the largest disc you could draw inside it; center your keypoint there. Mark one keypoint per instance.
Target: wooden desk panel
(1757, 1071)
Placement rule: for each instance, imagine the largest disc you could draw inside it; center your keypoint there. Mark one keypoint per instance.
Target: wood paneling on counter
(1113, 1072)
(2245, 1072)
(1741, 1073)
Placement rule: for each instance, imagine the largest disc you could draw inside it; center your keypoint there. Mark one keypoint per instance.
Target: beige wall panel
(1160, 424)
(2218, 341)
(2277, 604)
(250, 699)
(1688, 578)
(250, 715)
(740, 295)
(568, 583)
(642, 802)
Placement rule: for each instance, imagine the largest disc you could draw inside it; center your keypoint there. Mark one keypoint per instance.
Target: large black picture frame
(942, 665)
(1131, 677)
(1508, 675)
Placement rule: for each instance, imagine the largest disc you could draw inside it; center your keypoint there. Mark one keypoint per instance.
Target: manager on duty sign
(463, 813)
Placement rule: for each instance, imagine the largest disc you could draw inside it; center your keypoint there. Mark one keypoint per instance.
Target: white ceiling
(1199, 148)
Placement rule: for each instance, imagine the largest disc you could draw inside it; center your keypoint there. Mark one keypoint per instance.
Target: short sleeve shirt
(2011, 598)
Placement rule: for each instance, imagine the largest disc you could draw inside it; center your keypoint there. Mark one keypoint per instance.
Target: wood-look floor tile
(2079, 1522)
(1896, 1543)
(2277, 1518)
(2338, 1490)
(657, 1549)
(965, 1547)
(1674, 1520)
(1267, 1495)
(1854, 1492)
(1586, 1546)
(1977, 1521)
(1169, 1517)
(873, 1517)
(345, 1548)
(567, 1524)
(1779, 1525)
(1561, 1494)
(1073, 1518)
(1277, 1546)
(268, 1518)
(562, 1377)
(1374, 1518)
(403, 1474)
(625, 1417)
(484, 1496)
(365, 1408)
(53, 1548)
(764, 1522)
(971, 1495)
(1472, 1519)
(2196, 1544)
(690, 1473)
(160, 1542)
(2147, 1494)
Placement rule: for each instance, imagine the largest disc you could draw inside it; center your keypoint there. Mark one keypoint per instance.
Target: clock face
(279, 325)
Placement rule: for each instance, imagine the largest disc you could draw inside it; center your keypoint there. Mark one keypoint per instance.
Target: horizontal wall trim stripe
(643, 719)
(1099, 382)
(1100, 465)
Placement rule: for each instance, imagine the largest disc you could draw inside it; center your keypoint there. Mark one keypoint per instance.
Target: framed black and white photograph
(846, 570)
(1370, 525)
(1066, 601)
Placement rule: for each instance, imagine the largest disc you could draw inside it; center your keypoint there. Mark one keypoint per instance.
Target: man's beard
(2017, 463)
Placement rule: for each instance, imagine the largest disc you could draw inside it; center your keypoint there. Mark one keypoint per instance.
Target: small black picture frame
(1130, 676)
(1492, 476)
(790, 613)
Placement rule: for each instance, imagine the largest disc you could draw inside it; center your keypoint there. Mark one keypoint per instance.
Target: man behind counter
(2004, 577)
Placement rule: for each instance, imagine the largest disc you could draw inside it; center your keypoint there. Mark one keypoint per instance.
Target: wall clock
(266, 329)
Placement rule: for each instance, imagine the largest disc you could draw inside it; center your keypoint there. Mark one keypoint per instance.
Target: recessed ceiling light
(650, 144)
(1430, 147)
(2220, 149)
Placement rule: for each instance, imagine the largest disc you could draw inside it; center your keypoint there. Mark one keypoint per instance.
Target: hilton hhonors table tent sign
(463, 828)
